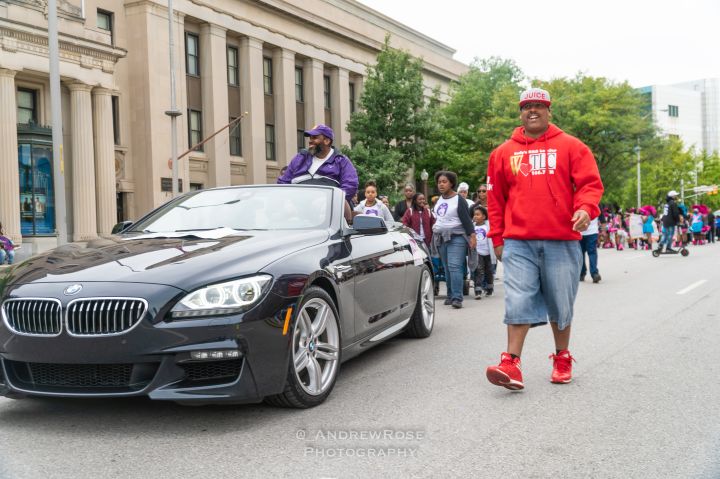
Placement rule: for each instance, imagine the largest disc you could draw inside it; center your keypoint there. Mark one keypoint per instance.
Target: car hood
(186, 263)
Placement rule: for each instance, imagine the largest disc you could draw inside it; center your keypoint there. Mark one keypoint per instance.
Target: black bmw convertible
(237, 294)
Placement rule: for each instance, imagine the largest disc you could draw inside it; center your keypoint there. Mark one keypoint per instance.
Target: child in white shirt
(372, 205)
(483, 274)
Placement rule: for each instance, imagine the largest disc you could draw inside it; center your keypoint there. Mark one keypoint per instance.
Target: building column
(104, 160)
(314, 101)
(285, 118)
(83, 164)
(9, 174)
(213, 68)
(252, 98)
(359, 82)
(340, 104)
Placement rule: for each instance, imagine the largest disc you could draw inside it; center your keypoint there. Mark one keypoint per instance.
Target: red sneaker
(562, 367)
(506, 374)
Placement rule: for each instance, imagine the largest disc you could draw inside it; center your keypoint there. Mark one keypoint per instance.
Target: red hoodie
(535, 185)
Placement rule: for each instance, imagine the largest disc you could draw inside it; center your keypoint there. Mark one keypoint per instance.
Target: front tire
(314, 359)
(423, 318)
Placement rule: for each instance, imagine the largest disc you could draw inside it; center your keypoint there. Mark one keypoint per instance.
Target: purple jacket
(6, 244)
(337, 168)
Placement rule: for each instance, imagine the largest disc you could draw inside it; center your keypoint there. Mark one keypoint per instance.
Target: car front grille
(33, 316)
(80, 375)
(104, 316)
(212, 370)
(79, 378)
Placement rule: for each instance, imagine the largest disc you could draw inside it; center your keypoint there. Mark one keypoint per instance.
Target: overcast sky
(644, 42)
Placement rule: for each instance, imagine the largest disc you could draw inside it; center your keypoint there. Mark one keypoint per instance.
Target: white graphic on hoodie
(539, 161)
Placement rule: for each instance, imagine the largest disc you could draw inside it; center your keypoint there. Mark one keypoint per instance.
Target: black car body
(217, 296)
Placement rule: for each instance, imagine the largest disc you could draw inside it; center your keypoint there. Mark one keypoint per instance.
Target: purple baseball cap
(321, 129)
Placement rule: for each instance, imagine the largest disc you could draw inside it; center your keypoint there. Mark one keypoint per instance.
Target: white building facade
(689, 111)
(709, 90)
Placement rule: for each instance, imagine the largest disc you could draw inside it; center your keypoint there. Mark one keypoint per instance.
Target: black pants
(483, 275)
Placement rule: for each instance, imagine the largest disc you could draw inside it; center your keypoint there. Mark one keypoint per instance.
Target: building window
(267, 76)
(37, 204)
(235, 139)
(232, 66)
(116, 119)
(326, 91)
(352, 98)
(26, 106)
(673, 111)
(196, 186)
(105, 22)
(194, 128)
(270, 142)
(300, 140)
(192, 54)
(299, 85)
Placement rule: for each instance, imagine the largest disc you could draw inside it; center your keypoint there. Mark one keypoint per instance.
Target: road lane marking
(692, 286)
(637, 257)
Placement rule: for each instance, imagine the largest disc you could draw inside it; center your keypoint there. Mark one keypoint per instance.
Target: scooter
(683, 251)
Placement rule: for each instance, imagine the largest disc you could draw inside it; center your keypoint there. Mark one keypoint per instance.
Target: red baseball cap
(535, 95)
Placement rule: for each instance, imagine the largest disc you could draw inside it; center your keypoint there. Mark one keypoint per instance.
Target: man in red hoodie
(543, 190)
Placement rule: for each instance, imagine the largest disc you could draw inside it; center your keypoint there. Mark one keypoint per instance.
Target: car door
(379, 263)
(414, 260)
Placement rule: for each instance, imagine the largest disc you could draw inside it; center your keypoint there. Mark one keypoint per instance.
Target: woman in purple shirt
(7, 248)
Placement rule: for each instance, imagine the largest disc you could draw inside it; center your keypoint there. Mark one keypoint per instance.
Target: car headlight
(222, 298)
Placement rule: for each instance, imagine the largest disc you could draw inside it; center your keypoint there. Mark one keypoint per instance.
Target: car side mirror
(369, 225)
(122, 226)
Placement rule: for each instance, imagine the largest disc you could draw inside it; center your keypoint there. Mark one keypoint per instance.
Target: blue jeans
(668, 233)
(10, 255)
(452, 254)
(588, 244)
(541, 281)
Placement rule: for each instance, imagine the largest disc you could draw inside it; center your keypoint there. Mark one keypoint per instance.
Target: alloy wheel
(316, 347)
(427, 296)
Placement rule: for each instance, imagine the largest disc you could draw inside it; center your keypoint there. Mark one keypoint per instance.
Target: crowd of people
(671, 226)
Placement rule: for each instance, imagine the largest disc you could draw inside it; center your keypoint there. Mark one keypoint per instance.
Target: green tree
(480, 115)
(389, 128)
(708, 174)
(611, 118)
(665, 166)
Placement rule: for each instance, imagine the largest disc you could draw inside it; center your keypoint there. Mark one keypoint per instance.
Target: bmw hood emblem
(72, 289)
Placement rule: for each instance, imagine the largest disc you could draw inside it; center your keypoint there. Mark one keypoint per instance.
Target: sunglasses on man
(482, 191)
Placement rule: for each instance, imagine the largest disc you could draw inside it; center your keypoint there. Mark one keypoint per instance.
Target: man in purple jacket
(321, 163)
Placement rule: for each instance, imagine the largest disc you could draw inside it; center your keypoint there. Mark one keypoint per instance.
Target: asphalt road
(645, 401)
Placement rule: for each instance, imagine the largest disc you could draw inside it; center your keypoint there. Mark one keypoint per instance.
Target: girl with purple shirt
(7, 248)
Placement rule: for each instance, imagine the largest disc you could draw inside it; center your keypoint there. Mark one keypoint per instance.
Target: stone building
(288, 64)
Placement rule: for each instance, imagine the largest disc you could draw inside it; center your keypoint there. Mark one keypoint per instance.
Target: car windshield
(255, 208)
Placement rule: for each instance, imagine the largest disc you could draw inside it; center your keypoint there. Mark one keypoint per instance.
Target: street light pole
(424, 175)
(682, 191)
(173, 112)
(637, 150)
(57, 134)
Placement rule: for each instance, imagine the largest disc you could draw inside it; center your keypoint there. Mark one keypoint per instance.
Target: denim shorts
(541, 281)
